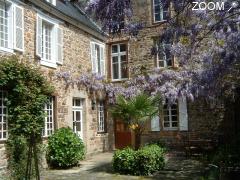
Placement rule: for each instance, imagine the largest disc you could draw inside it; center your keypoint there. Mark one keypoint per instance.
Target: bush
(150, 159)
(65, 149)
(145, 161)
(124, 161)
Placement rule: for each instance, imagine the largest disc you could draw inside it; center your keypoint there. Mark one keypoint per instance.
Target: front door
(122, 135)
(77, 113)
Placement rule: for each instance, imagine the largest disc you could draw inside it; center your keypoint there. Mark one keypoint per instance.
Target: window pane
(116, 71)
(114, 48)
(166, 124)
(174, 124)
(4, 24)
(78, 126)
(78, 116)
(122, 47)
(124, 70)
(115, 59)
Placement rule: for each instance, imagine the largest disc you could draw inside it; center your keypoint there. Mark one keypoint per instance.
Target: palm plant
(136, 112)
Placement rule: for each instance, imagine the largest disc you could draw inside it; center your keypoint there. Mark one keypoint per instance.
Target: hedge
(145, 161)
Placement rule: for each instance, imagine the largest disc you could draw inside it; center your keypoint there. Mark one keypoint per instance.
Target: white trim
(45, 134)
(53, 2)
(15, 28)
(161, 12)
(74, 110)
(94, 57)
(48, 63)
(7, 50)
(118, 55)
(54, 53)
(101, 122)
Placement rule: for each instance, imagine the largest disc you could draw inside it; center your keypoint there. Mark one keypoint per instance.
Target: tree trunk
(137, 140)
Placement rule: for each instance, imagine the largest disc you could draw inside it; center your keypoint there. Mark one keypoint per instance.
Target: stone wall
(203, 120)
(76, 50)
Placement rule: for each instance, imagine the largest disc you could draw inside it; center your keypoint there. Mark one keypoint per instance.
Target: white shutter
(93, 58)
(183, 115)
(18, 28)
(39, 37)
(59, 45)
(155, 125)
(102, 60)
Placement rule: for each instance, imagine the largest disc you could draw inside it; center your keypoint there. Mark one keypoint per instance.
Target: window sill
(119, 80)
(170, 129)
(8, 50)
(3, 141)
(159, 22)
(48, 64)
(102, 134)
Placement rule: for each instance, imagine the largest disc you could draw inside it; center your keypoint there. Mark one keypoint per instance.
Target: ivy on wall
(27, 91)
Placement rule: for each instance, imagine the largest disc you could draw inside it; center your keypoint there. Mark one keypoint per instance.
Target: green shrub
(149, 159)
(124, 161)
(145, 161)
(65, 149)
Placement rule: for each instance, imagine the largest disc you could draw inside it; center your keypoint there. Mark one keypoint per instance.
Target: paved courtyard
(99, 167)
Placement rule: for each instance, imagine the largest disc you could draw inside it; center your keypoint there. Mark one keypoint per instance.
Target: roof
(73, 12)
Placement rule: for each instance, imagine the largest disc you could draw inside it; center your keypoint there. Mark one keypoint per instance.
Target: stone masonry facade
(77, 60)
(203, 119)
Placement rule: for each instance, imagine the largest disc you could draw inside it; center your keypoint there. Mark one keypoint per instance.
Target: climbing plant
(27, 91)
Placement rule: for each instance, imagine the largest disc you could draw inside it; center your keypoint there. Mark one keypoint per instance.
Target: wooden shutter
(93, 58)
(39, 37)
(102, 60)
(183, 115)
(155, 125)
(59, 46)
(18, 28)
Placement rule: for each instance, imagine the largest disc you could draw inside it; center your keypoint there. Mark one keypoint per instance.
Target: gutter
(61, 15)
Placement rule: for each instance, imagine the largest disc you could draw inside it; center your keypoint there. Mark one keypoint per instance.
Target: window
(170, 116)
(160, 10)
(49, 119)
(97, 56)
(47, 34)
(53, 2)
(164, 57)
(119, 62)
(155, 124)
(49, 41)
(101, 118)
(11, 27)
(3, 116)
(77, 110)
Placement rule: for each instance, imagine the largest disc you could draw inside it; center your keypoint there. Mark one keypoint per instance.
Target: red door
(122, 135)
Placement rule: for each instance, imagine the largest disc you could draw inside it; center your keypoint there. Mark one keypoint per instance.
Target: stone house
(177, 123)
(57, 36)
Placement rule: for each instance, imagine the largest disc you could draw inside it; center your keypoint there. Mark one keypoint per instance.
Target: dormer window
(53, 2)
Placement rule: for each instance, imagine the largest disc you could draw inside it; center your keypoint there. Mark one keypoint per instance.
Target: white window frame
(118, 54)
(96, 61)
(53, 2)
(76, 109)
(2, 106)
(101, 117)
(10, 27)
(47, 118)
(53, 62)
(170, 115)
(164, 60)
(162, 11)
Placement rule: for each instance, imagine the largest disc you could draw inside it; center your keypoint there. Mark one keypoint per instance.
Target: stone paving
(99, 167)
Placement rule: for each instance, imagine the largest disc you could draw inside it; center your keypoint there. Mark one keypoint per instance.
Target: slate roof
(73, 10)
